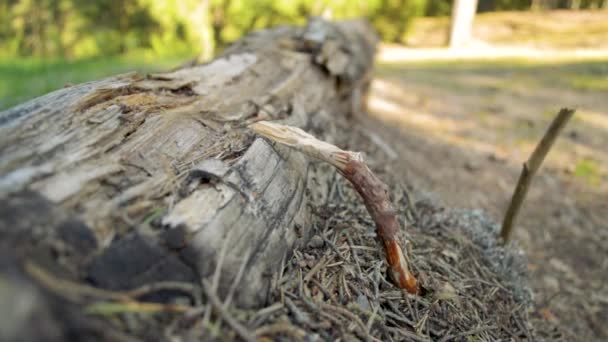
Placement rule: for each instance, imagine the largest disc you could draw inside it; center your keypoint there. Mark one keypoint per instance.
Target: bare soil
(463, 129)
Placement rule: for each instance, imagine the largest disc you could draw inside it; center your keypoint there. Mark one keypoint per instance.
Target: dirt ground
(562, 29)
(462, 130)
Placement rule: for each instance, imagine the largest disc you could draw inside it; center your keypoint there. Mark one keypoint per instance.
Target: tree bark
(203, 12)
(463, 13)
(147, 178)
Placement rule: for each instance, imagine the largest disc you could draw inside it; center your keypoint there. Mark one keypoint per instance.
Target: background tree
(463, 14)
(74, 29)
(392, 18)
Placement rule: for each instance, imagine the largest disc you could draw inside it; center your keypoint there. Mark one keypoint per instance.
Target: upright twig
(529, 169)
(224, 314)
(374, 192)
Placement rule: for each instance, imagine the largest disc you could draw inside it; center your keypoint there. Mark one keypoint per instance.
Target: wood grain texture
(163, 160)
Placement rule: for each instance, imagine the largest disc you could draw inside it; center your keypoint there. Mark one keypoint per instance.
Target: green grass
(25, 78)
(589, 170)
(590, 83)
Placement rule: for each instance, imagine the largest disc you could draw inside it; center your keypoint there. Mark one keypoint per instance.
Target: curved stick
(374, 192)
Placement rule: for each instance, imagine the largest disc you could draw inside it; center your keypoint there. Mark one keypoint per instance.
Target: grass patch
(25, 78)
(589, 170)
(589, 83)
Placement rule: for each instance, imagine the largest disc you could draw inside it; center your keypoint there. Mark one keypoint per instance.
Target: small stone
(447, 292)
(316, 242)
(471, 166)
(312, 338)
(364, 302)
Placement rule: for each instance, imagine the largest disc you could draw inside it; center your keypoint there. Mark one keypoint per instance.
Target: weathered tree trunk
(147, 178)
(463, 13)
(203, 14)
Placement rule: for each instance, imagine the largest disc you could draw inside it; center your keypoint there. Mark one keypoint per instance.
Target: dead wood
(158, 168)
(529, 170)
(374, 192)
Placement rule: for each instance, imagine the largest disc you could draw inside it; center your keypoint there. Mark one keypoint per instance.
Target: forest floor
(462, 129)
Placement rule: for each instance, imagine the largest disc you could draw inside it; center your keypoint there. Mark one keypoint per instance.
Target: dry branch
(224, 314)
(529, 170)
(373, 191)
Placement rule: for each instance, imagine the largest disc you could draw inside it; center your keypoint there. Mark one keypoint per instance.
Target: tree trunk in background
(575, 4)
(141, 179)
(206, 35)
(544, 4)
(463, 13)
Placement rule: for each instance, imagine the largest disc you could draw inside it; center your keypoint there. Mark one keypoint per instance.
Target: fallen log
(159, 173)
(143, 206)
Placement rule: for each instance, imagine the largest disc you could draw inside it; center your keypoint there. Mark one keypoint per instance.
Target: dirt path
(462, 130)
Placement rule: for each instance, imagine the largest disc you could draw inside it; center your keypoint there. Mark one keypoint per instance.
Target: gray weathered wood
(165, 160)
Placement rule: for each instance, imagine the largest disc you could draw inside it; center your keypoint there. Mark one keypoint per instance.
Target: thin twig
(371, 319)
(68, 289)
(332, 246)
(237, 279)
(342, 311)
(281, 328)
(224, 314)
(216, 274)
(111, 308)
(112, 301)
(529, 169)
(315, 269)
(374, 192)
(160, 286)
(324, 290)
(467, 333)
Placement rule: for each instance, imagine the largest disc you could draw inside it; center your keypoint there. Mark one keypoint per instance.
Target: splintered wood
(374, 192)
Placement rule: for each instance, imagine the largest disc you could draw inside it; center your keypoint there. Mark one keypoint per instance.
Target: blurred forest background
(75, 29)
(72, 41)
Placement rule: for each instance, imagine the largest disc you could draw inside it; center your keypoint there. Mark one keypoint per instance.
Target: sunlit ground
(503, 107)
(462, 130)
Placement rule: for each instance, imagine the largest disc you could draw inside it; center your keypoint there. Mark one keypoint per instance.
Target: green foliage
(589, 83)
(393, 18)
(24, 78)
(76, 29)
(438, 8)
(589, 170)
